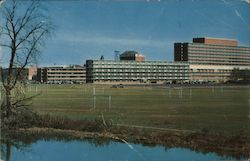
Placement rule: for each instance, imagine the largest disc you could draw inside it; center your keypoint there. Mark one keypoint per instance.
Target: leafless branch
(25, 31)
(24, 99)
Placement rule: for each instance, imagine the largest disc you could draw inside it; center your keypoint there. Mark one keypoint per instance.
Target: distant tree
(242, 75)
(25, 27)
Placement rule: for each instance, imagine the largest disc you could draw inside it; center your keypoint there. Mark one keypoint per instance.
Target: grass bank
(102, 131)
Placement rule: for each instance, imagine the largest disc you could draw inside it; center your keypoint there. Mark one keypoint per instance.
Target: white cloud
(239, 15)
(247, 1)
(226, 2)
(105, 40)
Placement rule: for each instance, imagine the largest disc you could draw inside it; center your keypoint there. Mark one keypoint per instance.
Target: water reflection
(93, 150)
(5, 150)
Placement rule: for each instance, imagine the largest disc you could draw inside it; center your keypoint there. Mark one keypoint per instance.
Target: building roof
(131, 53)
(216, 38)
(216, 41)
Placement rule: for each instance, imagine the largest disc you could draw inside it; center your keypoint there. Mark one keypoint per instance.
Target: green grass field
(215, 109)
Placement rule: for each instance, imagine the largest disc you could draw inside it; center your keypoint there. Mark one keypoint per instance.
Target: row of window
(66, 76)
(137, 66)
(57, 73)
(142, 74)
(218, 50)
(218, 63)
(213, 53)
(209, 75)
(201, 59)
(213, 46)
(210, 70)
(65, 69)
(137, 71)
(137, 78)
(218, 59)
(64, 80)
(131, 63)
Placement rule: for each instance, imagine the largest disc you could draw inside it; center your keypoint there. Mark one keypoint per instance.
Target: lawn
(214, 108)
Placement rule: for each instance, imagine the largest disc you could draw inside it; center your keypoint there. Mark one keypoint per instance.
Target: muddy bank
(237, 146)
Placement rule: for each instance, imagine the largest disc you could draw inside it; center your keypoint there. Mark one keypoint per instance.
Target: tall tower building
(212, 51)
(212, 59)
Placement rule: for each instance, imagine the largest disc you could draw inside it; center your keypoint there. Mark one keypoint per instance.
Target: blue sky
(87, 29)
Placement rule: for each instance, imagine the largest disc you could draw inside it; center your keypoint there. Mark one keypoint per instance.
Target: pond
(52, 150)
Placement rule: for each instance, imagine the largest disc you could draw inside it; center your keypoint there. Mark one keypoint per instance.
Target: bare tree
(25, 27)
